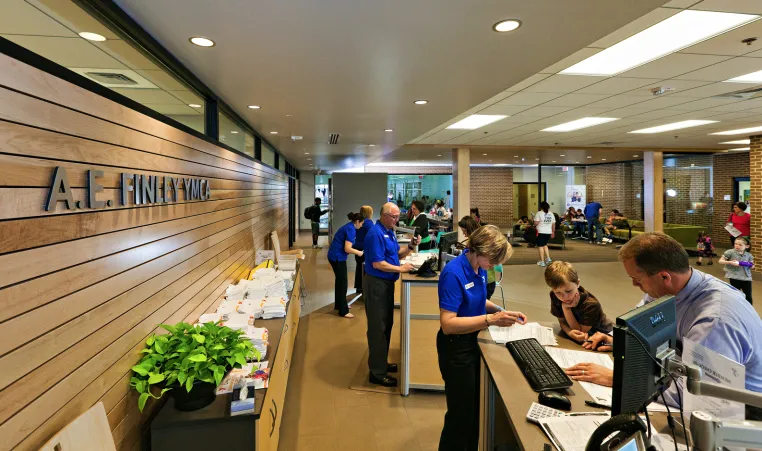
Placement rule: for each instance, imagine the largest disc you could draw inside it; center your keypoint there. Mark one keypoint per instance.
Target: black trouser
(379, 310)
(359, 273)
(491, 289)
(459, 365)
(743, 285)
(340, 289)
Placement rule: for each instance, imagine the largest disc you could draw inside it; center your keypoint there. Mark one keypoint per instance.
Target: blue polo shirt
(381, 245)
(362, 233)
(461, 290)
(336, 252)
(593, 210)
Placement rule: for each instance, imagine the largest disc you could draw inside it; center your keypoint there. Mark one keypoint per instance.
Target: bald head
(390, 207)
(390, 214)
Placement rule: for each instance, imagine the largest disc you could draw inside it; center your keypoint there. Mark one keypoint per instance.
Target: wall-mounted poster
(575, 196)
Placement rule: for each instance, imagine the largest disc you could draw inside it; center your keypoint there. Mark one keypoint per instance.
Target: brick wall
(616, 185)
(691, 179)
(726, 167)
(492, 193)
(755, 174)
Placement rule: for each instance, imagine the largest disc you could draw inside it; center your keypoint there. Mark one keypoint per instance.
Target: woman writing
(545, 221)
(463, 312)
(341, 247)
(366, 212)
(741, 221)
(421, 224)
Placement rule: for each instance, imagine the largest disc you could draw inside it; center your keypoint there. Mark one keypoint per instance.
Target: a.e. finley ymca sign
(137, 189)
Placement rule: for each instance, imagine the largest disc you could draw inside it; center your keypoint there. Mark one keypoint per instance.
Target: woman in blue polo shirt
(464, 311)
(366, 211)
(341, 247)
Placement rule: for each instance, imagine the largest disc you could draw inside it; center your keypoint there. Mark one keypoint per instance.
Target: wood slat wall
(80, 291)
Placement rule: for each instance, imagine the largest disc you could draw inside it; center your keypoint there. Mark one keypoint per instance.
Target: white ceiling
(695, 74)
(355, 67)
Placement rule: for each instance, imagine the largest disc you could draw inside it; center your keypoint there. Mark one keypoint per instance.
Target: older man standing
(709, 311)
(382, 269)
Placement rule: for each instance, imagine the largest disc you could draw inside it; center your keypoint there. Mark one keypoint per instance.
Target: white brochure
(718, 369)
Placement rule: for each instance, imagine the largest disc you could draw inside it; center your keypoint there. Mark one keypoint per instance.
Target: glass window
(526, 194)
(404, 189)
(268, 155)
(51, 28)
(232, 134)
(688, 192)
(557, 179)
(249, 145)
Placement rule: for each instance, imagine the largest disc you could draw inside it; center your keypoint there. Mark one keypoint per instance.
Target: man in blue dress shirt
(709, 311)
(382, 269)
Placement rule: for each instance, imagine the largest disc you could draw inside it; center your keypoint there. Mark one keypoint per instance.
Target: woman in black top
(421, 223)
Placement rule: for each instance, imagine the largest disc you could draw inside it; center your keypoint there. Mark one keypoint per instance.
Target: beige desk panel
(424, 367)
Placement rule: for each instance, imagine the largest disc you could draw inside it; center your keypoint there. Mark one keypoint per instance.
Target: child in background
(738, 265)
(705, 248)
(579, 313)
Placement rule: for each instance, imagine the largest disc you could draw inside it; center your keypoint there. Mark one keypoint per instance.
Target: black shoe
(710, 263)
(386, 381)
(391, 368)
(698, 263)
(358, 291)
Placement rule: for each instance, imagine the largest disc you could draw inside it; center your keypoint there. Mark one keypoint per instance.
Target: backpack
(307, 212)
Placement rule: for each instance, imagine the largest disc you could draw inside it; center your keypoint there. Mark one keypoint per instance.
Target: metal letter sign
(145, 189)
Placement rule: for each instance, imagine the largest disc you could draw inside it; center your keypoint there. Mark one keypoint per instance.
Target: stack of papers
(417, 259)
(571, 433)
(273, 307)
(238, 321)
(259, 337)
(566, 358)
(543, 334)
(255, 374)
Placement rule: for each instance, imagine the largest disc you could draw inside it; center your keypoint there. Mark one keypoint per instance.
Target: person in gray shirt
(738, 265)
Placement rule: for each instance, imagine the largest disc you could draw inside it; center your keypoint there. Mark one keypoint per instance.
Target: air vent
(744, 94)
(115, 78)
(333, 138)
(112, 78)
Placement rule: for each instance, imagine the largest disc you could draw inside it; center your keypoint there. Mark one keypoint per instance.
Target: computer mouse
(554, 399)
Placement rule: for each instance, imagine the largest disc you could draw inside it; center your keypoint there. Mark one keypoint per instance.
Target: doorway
(742, 191)
(526, 198)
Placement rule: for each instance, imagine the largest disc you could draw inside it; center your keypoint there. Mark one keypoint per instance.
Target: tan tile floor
(321, 413)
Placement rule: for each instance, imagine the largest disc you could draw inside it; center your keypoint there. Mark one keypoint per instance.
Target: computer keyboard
(542, 372)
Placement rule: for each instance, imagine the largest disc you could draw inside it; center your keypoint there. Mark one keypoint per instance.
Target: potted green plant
(189, 362)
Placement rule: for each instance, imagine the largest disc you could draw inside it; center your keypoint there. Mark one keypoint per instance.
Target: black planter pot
(201, 395)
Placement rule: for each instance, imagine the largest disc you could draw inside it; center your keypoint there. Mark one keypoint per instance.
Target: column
(755, 176)
(461, 185)
(653, 191)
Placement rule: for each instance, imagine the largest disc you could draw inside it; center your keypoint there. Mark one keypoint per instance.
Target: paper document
(543, 334)
(732, 230)
(663, 442)
(566, 358)
(719, 370)
(571, 433)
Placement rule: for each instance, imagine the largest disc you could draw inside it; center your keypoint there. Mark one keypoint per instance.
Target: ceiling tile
(625, 112)
(74, 17)
(570, 60)
(618, 101)
(543, 111)
(673, 65)
(725, 70)
(149, 96)
(657, 114)
(731, 6)
(729, 43)
(504, 109)
(563, 83)
(678, 86)
(732, 116)
(703, 104)
(707, 90)
(576, 100)
(188, 97)
(127, 54)
(68, 52)
(617, 85)
(25, 19)
(635, 27)
(739, 106)
(162, 79)
(662, 102)
(174, 109)
(442, 136)
(536, 78)
(681, 3)
(529, 98)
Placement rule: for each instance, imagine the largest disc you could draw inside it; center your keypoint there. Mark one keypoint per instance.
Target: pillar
(755, 176)
(461, 185)
(653, 191)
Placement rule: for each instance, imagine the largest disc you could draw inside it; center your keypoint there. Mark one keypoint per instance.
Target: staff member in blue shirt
(593, 212)
(709, 311)
(464, 311)
(382, 269)
(341, 247)
(366, 211)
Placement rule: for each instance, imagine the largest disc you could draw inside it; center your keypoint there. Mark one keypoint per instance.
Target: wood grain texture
(80, 291)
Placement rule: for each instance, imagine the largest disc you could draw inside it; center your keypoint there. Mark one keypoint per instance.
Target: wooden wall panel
(81, 290)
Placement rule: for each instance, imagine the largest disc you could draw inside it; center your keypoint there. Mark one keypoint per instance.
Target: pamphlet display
(576, 196)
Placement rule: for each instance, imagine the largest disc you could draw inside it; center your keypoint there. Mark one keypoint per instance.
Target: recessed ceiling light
(371, 145)
(202, 41)
(484, 154)
(740, 141)
(589, 157)
(389, 130)
(273, 133)
(754, 77)
(506, 25)
(580, 124)
(439, 154)
(673, 126)
(476, 121)
(635, 156)
(740, 131)
(309, 159)
(490, 161)
(576, 162)
(194, 105)
(537, 159)
(515, 156)
(562, 155)
(92, 36)
(668, 36)
(740, 149)
(289, 115)
(306, 153)
(603, 159)
(255, 107)
(554, 161)
(233, 132)
(421, 102)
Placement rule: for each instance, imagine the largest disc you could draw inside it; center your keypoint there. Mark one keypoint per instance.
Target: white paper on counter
(566, 358)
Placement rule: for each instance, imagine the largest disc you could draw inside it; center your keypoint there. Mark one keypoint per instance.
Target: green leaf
(217, 347)
(231, 361)
(147, 351)
(219, 373)
(140, 370)
(154, 378)
(199, 338)
(240, 359)
(189, 383)
(184, 348)
(159, 347)
(150, 340)
(142, 400)
(181, 376)
(197, 358)
(168, 328)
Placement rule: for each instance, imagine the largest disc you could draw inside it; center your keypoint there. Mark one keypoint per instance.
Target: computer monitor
(447, 240)
(642, 336)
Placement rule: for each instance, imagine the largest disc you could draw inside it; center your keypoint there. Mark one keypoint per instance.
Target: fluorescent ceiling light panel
(476, 121)
(682, 30)
(754, 77)
(580, 123)
(740, 131)
(740, 141)
(673, 126)
(740, 149)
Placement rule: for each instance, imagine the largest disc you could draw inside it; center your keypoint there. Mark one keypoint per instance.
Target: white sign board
(576, 196)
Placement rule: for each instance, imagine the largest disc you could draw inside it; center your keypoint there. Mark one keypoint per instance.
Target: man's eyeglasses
(392, 216)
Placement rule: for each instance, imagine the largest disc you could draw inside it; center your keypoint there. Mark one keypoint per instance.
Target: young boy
(738, 265)
(579, 313)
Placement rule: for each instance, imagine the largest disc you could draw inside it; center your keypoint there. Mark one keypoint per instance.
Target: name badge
(469, 285)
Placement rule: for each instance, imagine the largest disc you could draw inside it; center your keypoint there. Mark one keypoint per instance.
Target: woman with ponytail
(341, 247)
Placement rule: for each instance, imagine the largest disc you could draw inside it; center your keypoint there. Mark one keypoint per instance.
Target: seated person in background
(475, 214)
(579, 313)
(709, 311)
(523, 222)
(570, 213)
(611, 225)
(579, 224)
(705, 248)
